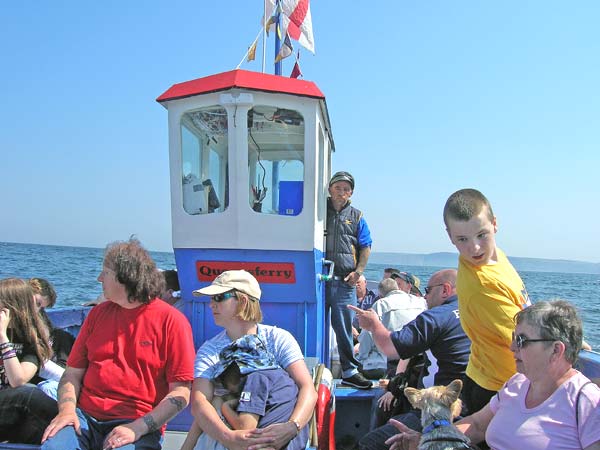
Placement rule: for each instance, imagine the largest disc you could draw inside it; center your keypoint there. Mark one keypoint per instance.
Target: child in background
(490, 293)
(61, 341)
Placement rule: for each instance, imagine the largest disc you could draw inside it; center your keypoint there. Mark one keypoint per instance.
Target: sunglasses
(428, 289)
(222, 297)
(521, 341)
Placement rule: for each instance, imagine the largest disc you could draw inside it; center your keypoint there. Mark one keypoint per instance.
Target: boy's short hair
(171, 279)
(465, 204)
(248, 310)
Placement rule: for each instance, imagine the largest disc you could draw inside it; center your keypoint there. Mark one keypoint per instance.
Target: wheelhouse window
(276, 160)
(204, 160)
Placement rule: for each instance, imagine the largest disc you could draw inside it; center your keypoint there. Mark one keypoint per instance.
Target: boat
(249, 160)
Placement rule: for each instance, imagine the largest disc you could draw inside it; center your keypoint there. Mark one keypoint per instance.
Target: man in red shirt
(130, 369)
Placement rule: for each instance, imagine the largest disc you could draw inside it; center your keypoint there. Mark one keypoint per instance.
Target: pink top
(551, 425)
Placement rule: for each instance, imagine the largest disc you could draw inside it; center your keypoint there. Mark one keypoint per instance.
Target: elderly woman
(235, 296)
(548, 404)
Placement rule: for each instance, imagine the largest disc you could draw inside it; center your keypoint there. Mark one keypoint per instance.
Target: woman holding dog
(548, 404)
(235, 297)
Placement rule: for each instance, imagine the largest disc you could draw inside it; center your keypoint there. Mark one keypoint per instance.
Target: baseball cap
(408, 277)
(342, 176)
(238, 280)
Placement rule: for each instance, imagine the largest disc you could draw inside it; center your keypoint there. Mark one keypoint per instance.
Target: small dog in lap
(439, 405)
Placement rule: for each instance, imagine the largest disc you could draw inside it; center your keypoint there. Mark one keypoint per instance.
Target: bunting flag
(296, 22)
(285, 50)
(252, 51)
(270, 23)
(296, 72)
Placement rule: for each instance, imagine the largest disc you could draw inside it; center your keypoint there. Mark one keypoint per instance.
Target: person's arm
(207, 420)
(68, 392)
(172, 404)
(368, 320)
(279, 434)
(17, 372)
(361, 265)
(238, 421)
(475, 425)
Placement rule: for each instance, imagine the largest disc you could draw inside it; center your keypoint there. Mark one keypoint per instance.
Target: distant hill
(447, 259)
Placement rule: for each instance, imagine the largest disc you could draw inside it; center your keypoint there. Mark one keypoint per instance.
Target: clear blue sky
(425, 98)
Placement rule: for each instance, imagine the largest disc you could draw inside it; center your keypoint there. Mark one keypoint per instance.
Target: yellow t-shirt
(489, 296)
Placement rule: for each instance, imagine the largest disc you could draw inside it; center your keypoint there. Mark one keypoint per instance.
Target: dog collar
(435, 424)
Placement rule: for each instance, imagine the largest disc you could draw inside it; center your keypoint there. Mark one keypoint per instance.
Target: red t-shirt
(130, 357)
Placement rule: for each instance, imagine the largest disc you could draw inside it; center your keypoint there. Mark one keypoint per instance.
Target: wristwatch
(359, 272)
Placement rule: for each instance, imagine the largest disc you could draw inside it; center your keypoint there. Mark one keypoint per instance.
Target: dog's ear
(452, 392)
(414, 396)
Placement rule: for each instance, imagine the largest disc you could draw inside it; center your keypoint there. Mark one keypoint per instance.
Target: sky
(425, 98)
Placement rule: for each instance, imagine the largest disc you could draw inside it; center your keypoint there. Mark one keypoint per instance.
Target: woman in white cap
(235, 296)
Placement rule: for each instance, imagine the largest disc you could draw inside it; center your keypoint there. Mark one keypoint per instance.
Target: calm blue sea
(73, 272)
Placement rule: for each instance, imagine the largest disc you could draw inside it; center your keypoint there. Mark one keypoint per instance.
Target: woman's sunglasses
(521, 341)
(222, 297)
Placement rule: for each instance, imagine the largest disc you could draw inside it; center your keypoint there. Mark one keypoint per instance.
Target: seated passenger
(61, 341)
(548, 404)
(407, 282)
(172, 292)
(396, 308)
(24, 346)
(260, 392)
(365, 298)
(235, 296)
(132, 363)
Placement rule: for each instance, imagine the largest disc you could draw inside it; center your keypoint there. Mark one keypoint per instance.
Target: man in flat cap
(348, 245)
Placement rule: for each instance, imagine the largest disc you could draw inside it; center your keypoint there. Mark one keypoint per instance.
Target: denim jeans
(375, 440)
(93, 433)
(25, 412)
(338, 296)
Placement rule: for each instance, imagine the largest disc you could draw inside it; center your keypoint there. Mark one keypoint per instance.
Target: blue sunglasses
(222, 297)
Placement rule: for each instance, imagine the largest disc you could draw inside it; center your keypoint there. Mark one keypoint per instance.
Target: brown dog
(439, 405)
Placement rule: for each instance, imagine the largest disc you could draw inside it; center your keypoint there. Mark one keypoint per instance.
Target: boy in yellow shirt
(490, 293)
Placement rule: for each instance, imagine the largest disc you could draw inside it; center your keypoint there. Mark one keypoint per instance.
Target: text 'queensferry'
(264, 272)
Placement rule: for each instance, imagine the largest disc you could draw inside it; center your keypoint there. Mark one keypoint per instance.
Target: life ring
(325, 410)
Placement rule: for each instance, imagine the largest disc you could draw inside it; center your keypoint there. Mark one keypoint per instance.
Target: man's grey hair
(386, 286)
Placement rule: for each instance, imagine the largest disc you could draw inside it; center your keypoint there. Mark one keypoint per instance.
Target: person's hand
(367, 319)
(59, 422)
(383, 383)
(355, 333)
(4, 321)
(352, 278)
(406, 439)
(274, 436)
(121, 435)
(386, 401)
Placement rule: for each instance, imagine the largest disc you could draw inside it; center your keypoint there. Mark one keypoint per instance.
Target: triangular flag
(285, 50)
(252, 51)
(296, 72)
(270, 23)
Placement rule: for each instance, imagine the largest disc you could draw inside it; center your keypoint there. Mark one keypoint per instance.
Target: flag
(297, 23)
(285, 50)
(270, 23)
(252, 51)
(296, 71)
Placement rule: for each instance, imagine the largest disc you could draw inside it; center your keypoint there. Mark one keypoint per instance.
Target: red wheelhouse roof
(242, 79)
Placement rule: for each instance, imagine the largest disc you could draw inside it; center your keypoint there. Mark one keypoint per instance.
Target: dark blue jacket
(439, 330)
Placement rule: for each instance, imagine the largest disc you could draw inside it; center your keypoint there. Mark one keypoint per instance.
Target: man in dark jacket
(348, 245)
(438, 329)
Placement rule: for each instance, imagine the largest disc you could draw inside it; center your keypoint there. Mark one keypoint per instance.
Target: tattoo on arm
(179, 404)
(150, 423)
(67, 400)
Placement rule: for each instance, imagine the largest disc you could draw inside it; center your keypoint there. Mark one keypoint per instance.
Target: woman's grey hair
(557, 320)
(386, 286)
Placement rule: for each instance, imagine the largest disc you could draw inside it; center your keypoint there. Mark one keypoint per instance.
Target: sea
(74, 270)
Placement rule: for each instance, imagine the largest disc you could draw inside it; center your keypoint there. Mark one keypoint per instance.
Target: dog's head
(435, 399)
